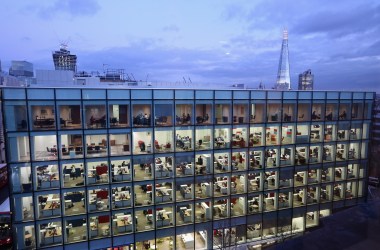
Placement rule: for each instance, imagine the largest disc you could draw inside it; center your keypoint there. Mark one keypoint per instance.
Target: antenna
(133, 77)
(104, 70)
(190, 80)
(128, 78)
(184, 79)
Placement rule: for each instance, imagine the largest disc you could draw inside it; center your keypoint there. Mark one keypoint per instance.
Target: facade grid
(180, 169)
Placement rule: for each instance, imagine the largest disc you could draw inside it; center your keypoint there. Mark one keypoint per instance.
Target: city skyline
(216, 41)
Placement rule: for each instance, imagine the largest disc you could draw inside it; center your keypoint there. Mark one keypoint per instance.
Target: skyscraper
(63, 60)
(283, 75)
(306, 80)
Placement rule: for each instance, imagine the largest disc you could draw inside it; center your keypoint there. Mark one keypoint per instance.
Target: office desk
(93, 230)
(187, 216)
(162, 195)
(223, 186)
(123, 201)
(105, 230)
(164, 221)
(188, 240)
(124, 226)
(51, 208)
(53, 236)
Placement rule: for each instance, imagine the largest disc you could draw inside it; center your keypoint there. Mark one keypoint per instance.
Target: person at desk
(119, 170)
(219, 141)
(200, 160)
(315, 116)
(329, 116)
(287, 117)
(343, 116)
(315, 152)
(146, 244)
(73, 172)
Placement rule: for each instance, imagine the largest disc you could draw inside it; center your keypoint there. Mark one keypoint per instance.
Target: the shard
(283, 75)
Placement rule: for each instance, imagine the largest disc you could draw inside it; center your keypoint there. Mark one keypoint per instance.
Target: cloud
(233, 11)
(341, 23)
(171, 28)
(72, 8)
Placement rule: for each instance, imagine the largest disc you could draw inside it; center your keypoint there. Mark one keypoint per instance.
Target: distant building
(63, 60)
(283, 75)
(306, 80)
(376, 121)
(21, 69)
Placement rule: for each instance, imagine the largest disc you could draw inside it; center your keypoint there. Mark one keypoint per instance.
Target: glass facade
(180, 169)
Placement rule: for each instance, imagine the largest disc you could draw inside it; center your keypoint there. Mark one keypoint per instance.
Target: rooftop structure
(63, 60)
(21, 69)
(283, 75)
(306, 80)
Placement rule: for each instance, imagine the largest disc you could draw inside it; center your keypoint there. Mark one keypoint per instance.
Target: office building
(21, 69)
(306, 80)
(63, 60)
(283, 74)
(376, 121)
(180, 169)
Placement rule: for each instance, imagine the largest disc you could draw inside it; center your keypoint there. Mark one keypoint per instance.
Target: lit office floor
(141, 197)
(71, 126)
(199, 243)
(79, 181)
(199, 213)
(77, 208)
(142, 174)
(297, 201)
(118, 150)
(76, 234)
(45, 156)
(237, 209)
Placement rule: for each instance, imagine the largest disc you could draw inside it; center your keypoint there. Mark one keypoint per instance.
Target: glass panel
(163, 94)
(42, 116)
(223, 94)
(141, 115)
(203, 113)
(40, 94)
(120, 143)
(18, 148)
(204, 94)
(14, 94)
(222, 113)
(240, 94)
(95, 115)
(15, 116)
(118, 94)
(65, 94)
(184, 114)
(184, 94)
(70, 116)
(118, 115)
(257, 94)
(91, 94)
(142, 141)
(257, 113)
(73, 174)
(96, 145)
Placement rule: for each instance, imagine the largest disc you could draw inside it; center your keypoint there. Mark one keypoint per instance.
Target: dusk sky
(215, 41)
